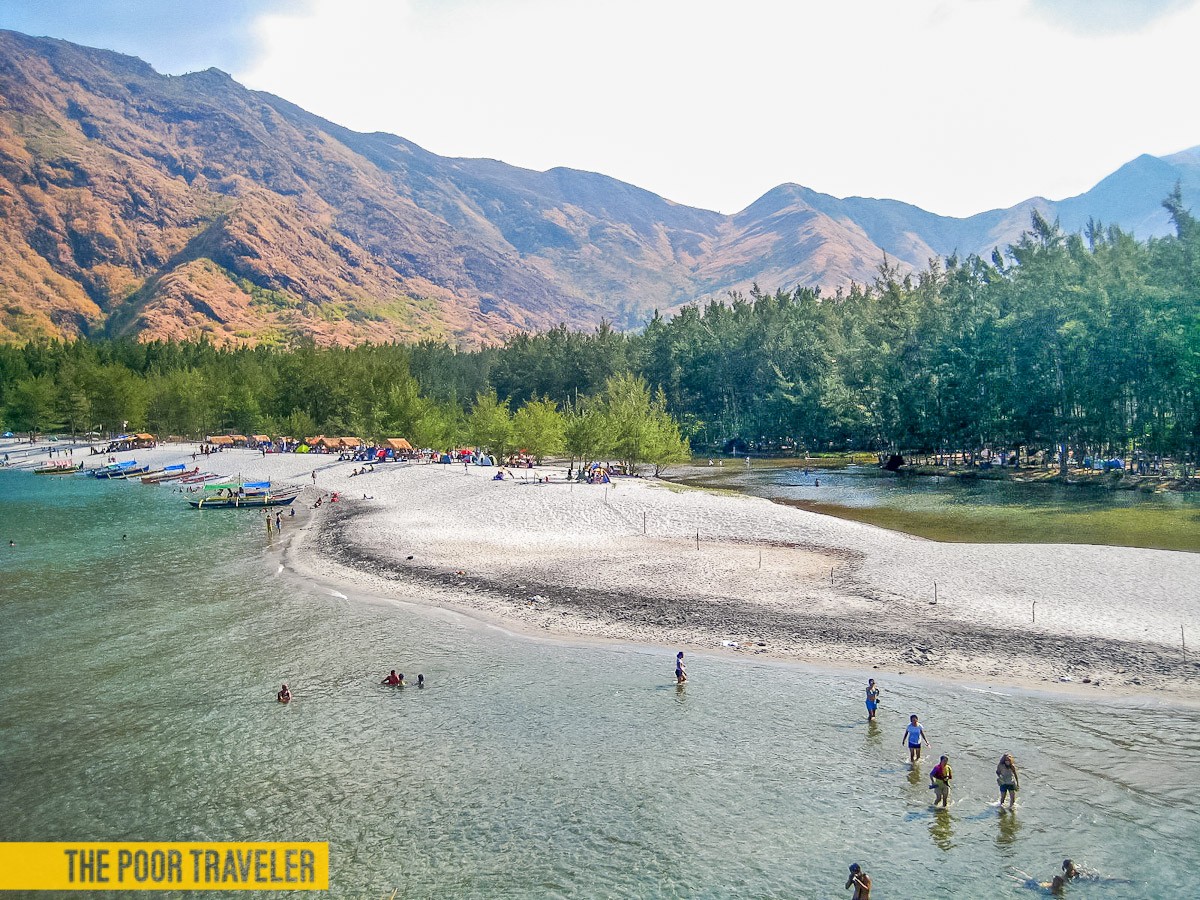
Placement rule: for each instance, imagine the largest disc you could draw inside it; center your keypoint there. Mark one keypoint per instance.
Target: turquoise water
(976, 510)
(136, 702)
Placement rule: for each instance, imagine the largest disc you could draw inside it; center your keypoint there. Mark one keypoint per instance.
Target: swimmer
(284, 695)
(1009, 780)
(939, 780)
(420, 680)
(860, 881)
(913, 735)
(680, 671)
(872, 699)
(392, 679)
(400, 680)
(1053, 887)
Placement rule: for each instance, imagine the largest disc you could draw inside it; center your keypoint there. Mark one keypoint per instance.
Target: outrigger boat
(252, 494)
(59, 469)
(132, 472)
(199, 478)
(170, 473)
(118, 470)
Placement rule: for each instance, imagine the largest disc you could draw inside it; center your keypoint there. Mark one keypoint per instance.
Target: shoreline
(650, 563)
(325, 555)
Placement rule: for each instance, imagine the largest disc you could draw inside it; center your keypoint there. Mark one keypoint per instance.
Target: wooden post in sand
(697, 540)
(935, 593)
(760, 560)
(831, 576)
(643, 523)
(1183, 639)
(1034, 612)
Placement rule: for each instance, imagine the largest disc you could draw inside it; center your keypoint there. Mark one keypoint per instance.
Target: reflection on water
(136, 702)
(1008, 829)
(941, 829)
(953, 509)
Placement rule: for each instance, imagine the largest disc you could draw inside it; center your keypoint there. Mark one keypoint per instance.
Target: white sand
(573, 560)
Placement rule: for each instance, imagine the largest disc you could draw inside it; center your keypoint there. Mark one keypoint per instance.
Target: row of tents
(318, 442)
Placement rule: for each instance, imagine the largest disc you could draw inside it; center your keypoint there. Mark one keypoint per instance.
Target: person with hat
(860, 881)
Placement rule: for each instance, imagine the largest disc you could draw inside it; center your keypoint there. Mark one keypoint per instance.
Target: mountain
(186, 206)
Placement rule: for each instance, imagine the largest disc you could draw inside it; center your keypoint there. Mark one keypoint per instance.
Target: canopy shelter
(349, 442)
(260, 439)
(400, 445)
(144, 441)
(239, 440)
(220, 440)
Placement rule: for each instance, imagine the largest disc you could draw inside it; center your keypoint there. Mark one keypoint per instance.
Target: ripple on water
(137, 703)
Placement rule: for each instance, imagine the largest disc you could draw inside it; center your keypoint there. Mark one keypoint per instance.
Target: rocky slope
(171, 207)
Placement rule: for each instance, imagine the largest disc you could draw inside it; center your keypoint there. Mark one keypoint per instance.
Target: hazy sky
(954, 105)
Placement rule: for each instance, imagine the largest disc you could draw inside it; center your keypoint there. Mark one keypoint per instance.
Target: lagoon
(137, 678)
(972, 510)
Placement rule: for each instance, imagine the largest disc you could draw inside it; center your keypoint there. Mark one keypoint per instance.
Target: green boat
(251, 494)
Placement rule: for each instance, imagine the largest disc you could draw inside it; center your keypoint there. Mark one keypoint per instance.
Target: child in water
(680, 671)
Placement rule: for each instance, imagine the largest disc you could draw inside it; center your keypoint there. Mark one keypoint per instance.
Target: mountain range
(136, 203)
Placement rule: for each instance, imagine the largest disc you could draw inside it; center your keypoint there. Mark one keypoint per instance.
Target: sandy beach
(647, 561)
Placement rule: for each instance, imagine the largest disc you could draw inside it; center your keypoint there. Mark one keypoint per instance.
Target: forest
(1086, 341)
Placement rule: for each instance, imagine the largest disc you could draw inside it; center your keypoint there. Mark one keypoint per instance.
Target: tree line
(1086, 341)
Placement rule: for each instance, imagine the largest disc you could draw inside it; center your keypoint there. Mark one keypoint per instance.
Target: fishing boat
(250, 494)
(59, 469)
(199, 478)
(170, 473)
(115, 470)
(134, 471)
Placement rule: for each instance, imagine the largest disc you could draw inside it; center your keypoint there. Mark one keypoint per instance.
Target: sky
(956, 106)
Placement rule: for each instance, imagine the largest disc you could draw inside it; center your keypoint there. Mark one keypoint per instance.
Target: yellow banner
(159, 866)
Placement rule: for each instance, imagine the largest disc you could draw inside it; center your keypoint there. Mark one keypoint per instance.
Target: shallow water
(953, 509)
(136, 702)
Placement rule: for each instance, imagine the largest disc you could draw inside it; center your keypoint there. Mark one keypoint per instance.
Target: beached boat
(199, 478)
(59, 469)
(132, 472)
(116, 470)
(251, 494)
(170, 473)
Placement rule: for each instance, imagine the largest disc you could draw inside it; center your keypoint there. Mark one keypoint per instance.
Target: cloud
(172, 36)
(1105, 16)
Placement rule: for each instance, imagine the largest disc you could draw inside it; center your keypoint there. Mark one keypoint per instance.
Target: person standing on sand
(680, 671)
(913, 735)
(1008, 779)
(860, 881)
(939, 780)
(872, 699)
